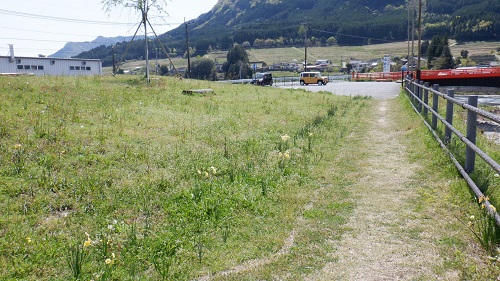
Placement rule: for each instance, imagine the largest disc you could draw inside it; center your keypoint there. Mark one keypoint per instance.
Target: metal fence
(295, 80)
(419, 93)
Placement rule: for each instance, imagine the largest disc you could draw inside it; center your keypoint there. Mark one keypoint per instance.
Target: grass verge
(108, 179)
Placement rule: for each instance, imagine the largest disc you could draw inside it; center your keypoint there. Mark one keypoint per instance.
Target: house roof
(50, 58)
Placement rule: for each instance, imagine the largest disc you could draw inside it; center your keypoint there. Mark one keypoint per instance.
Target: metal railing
(419, 93)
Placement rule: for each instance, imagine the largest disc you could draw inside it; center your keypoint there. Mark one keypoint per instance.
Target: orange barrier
(486, 72)
(376, 76)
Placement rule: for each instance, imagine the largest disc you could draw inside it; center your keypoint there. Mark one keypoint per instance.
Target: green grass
(440, 185)
(108, 179)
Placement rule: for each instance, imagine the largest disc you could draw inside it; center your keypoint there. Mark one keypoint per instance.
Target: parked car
(307, 78)
(263, 79)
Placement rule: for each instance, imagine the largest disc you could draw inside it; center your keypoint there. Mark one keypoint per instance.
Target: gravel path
(386, 239)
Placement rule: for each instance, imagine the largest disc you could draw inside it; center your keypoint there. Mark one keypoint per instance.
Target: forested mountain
(270, 23)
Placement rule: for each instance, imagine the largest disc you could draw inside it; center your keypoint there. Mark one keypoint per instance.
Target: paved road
(378, 90)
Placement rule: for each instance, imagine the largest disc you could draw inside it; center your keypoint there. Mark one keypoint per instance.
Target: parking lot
(378, 90)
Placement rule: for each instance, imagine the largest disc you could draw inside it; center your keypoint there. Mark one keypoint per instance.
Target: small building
(41, 66)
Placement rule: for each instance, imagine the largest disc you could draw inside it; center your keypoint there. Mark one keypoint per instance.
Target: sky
(43, 27)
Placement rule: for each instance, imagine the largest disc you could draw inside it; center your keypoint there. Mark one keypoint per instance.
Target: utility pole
(187, 47)
(144, 10)
(113, 54)
(419, 38)
(408, 33)
(305, 46)
(412, 36)
(156, 64)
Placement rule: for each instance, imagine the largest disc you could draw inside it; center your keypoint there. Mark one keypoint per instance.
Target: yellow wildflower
(108, 261)
(286, 155)
(18, 146)
(213, 170)
(88, 242)
(28, 239)
(113, 255)
(285, 138)
(206, 174)
(493, 208)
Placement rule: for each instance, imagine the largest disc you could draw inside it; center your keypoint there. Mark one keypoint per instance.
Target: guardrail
(419, 93)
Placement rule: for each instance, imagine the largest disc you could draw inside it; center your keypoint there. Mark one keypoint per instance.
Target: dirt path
(392, 234)
(387, 239)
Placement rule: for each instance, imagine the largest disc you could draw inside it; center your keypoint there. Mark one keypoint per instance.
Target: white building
(41, 66)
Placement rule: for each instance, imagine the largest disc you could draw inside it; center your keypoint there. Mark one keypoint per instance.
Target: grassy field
(106, 178)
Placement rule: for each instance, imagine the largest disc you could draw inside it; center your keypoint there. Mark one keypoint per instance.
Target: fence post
(426, 99)
(415, 91)
(449, 116)
(470, 155)
(435, 106)
(420, 96)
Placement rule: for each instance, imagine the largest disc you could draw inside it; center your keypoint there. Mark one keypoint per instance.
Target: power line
(354, 36)
(35, 16)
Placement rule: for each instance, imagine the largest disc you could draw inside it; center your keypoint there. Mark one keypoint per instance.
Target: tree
(237, 65)
(464, 54)
(203, 69)
(331, 41)
(164, 70)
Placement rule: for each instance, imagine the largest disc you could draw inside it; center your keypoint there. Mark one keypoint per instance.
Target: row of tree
(236, 67)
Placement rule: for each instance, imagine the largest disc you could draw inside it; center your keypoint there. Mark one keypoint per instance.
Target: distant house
(358, 65)
(41, 66)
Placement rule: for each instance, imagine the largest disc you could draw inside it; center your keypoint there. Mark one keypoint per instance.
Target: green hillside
(274, 23)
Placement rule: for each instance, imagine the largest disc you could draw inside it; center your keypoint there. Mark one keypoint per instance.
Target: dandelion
(108, 261)
(285, 138)
(18, 146)
(28, 239)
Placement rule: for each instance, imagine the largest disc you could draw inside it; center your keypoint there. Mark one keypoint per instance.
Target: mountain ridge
(72, 49)
(351, 22)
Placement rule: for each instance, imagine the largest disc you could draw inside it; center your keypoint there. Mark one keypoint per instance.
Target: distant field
(336, 54)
